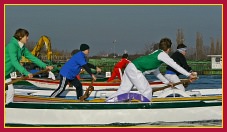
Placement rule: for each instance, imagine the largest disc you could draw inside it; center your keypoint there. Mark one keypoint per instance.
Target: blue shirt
(72, 67)
(33, 71)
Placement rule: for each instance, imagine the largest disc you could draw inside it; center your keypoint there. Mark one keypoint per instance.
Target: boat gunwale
(58, 103)
(85, 82)
(111, 106)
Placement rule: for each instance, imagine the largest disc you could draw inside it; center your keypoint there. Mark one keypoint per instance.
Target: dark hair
(20, 33)
(181, 46)
(125, 56)
(74, 52)
(165, 44)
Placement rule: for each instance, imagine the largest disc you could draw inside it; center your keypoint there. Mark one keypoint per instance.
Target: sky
(130, 27)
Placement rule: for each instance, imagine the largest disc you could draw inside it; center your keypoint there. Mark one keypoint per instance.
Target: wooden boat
(70, 92)
(104, 90)
(49, 83)
(37, 111)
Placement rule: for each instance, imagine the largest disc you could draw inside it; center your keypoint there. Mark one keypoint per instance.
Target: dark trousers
(63, 83)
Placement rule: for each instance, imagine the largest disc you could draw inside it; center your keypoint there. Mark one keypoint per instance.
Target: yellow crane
(44, 40)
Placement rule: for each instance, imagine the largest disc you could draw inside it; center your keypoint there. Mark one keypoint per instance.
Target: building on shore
(216, 65)
(216, 61)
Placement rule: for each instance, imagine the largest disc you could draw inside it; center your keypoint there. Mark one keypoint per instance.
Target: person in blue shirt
(71, 69)
(35, 70)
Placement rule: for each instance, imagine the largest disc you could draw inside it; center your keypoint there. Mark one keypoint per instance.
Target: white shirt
(20, 44)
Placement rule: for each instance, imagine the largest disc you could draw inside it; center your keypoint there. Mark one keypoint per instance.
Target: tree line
(197, 52)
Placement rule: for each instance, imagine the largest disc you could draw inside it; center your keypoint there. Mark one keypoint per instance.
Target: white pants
(9, 92)
(175, 79)
(132, 77)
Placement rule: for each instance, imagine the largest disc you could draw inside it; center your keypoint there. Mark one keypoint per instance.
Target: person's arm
(94, 67)
(13, 58)
(169, 61)
(160, 76)
(89, 71)
(91, 66)
(34, 59)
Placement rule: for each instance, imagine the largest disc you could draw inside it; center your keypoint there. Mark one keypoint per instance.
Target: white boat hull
(83, 117)
(109, 113)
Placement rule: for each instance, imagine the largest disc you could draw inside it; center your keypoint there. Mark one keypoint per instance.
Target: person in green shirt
(133, 75)
(14, 51)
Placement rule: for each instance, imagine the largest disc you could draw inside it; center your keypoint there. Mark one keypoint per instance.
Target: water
(210, 123)
(204, 81)
(208, 82)
(186, 124)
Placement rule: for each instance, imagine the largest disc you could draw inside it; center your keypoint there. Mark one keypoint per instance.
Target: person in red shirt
(117, 68)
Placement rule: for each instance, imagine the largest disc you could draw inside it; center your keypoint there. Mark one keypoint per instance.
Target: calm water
(204, 81)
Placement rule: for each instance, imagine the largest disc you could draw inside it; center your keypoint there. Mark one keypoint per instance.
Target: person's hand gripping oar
(48, 68)
(88, 90)
(192, 78)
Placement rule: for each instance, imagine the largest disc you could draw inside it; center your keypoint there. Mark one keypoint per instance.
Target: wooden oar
(87, 92)
(167, 86)
(22, 78)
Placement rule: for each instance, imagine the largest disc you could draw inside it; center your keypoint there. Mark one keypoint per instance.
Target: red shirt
(122, 63)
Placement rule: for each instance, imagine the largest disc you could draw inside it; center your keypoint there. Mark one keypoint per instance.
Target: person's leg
(79, 88)
(175, 79)
(140, 82)
(10, 92)
(63, 83)
(125, 86)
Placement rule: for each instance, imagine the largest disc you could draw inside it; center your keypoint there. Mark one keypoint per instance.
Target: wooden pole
(167, 86)
(22, 78)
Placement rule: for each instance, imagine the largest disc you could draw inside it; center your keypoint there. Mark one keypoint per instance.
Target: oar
(167, 86)
(87, 92)
(22, 78)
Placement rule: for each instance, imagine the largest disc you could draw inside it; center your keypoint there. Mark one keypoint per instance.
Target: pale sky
(132, 27)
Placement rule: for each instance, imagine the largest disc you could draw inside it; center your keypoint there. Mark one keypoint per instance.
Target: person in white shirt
(133, 75)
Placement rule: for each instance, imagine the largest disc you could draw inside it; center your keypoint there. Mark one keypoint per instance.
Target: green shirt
(148, 62)
(13, 55)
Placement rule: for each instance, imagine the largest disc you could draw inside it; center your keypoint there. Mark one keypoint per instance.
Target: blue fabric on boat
(170, 72)
(33, 71)
(130, 96)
